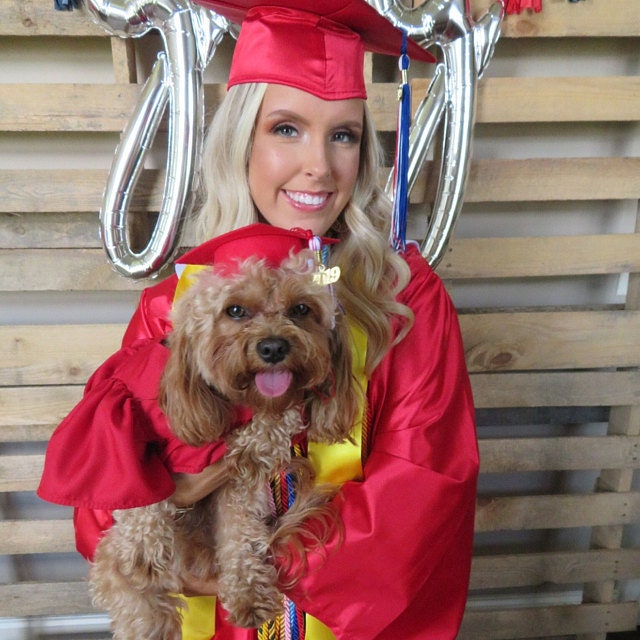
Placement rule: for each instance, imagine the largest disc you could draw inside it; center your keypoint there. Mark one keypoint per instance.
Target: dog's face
(261, 338)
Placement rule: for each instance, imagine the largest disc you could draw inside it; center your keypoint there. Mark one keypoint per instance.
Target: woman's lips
(308, 200)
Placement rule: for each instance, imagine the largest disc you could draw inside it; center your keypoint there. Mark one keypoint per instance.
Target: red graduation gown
(402, 568)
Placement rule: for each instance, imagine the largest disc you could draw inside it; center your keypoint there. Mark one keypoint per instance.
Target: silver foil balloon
(190, 36)
(466, 50)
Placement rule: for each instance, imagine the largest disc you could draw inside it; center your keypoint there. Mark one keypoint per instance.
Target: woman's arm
(191, 487)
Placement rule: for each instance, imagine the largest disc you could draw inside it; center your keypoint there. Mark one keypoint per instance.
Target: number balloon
(190, 36)
(466, 50)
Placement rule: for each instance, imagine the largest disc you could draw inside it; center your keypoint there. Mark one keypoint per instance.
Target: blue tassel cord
(398, 237)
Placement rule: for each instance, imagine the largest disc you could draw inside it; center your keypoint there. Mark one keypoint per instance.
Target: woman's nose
(317, 162)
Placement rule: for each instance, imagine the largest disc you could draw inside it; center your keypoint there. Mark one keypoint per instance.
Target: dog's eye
(236, 311)
(299, 310)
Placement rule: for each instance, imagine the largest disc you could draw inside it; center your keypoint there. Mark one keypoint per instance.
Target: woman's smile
(307, 201)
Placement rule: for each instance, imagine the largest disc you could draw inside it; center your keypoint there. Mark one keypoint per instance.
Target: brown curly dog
(272, 340)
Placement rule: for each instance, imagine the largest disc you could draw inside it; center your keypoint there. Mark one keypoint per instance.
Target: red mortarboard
(314, 45)
(226, 252)
(258, 240)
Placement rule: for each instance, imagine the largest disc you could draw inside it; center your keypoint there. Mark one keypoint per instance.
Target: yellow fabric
(335, 463)
(199, 617)
(187, 278)
(199, 621)
(316, 630)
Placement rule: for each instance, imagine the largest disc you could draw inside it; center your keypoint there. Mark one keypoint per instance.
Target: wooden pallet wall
(556, 381)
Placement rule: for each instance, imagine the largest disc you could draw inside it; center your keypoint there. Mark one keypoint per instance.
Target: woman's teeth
(307, 198)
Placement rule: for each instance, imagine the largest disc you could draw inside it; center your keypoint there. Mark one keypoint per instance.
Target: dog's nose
(273, 350)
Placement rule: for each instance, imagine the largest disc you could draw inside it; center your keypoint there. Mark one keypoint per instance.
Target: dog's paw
(250, 608)
(253, 615)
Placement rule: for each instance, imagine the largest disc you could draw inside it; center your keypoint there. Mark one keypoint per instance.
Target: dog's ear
(333, 410)
(197, 414)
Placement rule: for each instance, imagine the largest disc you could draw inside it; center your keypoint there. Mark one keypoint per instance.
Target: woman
(293, 145)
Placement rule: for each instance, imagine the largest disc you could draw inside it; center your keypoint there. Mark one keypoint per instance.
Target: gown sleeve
(402, 567)
(151, 317)
(115, 450)
(103, 455)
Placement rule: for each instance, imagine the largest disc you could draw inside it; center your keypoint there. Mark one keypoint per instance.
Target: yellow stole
(334, 463)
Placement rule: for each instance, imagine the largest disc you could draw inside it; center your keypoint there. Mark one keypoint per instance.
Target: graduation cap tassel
(401, 165)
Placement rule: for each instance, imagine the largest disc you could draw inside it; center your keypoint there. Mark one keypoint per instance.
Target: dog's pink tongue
(273, 383)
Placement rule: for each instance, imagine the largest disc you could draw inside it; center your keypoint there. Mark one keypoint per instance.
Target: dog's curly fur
(226, 331)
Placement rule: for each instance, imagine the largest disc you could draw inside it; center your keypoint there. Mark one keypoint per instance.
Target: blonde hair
(372, 273)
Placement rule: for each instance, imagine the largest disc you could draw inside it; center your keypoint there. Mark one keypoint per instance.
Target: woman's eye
(348, 137)
(285, 130)
(236, 311)
(299, 310)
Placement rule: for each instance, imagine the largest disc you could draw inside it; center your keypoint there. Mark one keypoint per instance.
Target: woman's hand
(191, 487)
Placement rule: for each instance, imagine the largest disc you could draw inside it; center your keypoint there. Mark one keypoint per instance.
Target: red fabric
(402, 570)
(314, 45)
(115, 450)
(517, 6)
(259, 240)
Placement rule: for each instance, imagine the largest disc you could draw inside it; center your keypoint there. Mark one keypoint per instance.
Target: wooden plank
(26, 432)
(71, 598)
(551, 340)
(107, 108)
(568, 99)
(63, 270)
(88, 269)
(556, 511)
(519, 455)
(540, 256)
(556, 389)
(123, 55)
(547, 622)
(37, 536)
(54, 354)
(41, 407)
(26, 191)
(39, 18)
(558, 19)
(554, 99)
(596, 18)
(623, 421)
(49, 230)
(45, 599)
(561, 567)
(512, 455)
(509, 455)
(541, 180)
(68, 354)
(28, 406)
(66, 107)
(47, 190)
(20, 473)
(79, 107)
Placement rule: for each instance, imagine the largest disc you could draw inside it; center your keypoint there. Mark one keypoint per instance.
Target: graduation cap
(314, 45)
(260, 241)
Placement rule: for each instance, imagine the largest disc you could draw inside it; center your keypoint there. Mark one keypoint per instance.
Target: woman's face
(305, 158)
